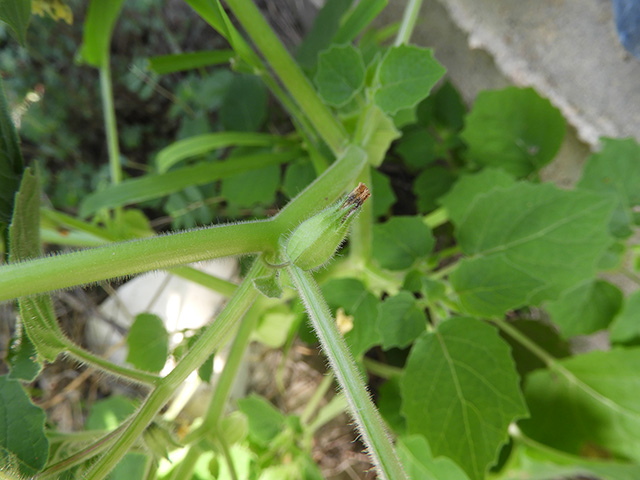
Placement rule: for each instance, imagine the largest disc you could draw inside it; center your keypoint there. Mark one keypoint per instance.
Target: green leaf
(11, 163)
(324, 27)
(265, 421)
(528, 244)
(587, 403)
(400, 242)
(163, 64)
(244, 107)
(357, 19)
(16, 14)
(400, 320)
(431, 184)
(155, 186)
(419, 462)
(353, 297)
(209, 142)
(417, 147)
(297, 176)
(23, 357)
(252, 187)
(381, 193)
(542, 334)
(340, 74)
(148, 343)
(22, 436)
(513, 129)
(615, 170)
(406, 76)
(586, 308)
(533, 461)
(626, 327)
(107, 414)
(269, 286)
(389, 402)
(460, 391)
(98, 27)
(448, 107)
(461, 197)
(275, 326)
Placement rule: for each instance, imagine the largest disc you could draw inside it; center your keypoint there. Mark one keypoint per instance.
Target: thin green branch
(368, 420)
(408, 23)
(106, 92)
(289, 73)
(212, 338)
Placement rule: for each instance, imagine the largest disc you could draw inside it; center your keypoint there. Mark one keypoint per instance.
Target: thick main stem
(368, 420)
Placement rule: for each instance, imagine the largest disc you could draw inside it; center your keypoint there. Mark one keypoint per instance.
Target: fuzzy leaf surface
(461, 392)
(148, 342)
(400, 320)
(513, 129)
(528, 243)
(340, 74)
(398, 243)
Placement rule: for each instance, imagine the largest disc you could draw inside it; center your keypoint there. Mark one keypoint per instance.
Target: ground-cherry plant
(460, 285)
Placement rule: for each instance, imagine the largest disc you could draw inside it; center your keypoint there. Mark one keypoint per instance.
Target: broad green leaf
(180, 62)
(11, 163)
(265, 421)
(528, 243)
(381, 193)
(389, 403)
(419, 462)
(340, 74)
(22, 436)
(400, 320)
(253, 187)
(148, 343)
(400, 242)
(406, 76)
(417, 147)
(324, 27)
(586, 308)
(626, 326)
(544, 335)
(448, 107)
(514, 129)
(356, 301)
(23, 357)
(533, 461)
(357, 19)
(462, 196)
(98, 27)
(431, 184)
(588, 403)
(155, 186)
(16, 14)
(460, 391)
(36, 312)
(244, 107)
(297, 176)
(615, 170)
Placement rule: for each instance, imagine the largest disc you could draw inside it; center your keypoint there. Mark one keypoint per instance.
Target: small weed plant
(460, 284)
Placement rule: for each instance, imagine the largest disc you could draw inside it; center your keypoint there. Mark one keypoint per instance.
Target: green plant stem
(361, 238)
(220, 285)
(289, 73)
(380, 369)
(127, 258)
(187, 465)
(221, 394)
(369, 422)
(130, 374)
(106, 92)
(408, 23)
(212, 338)
(315, 399)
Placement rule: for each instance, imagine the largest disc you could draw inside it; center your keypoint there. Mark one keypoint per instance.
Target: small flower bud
(314, 242)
